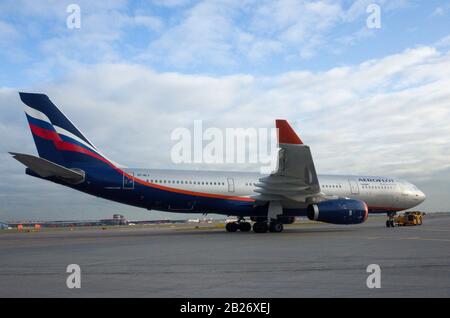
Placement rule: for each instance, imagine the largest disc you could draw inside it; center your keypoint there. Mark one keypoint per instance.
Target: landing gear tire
(245, 226)
(260, 227)
(232, 227)
(276, 227)
(390, 221)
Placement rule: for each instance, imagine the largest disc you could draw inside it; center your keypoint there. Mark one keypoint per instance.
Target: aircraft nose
(421, 196)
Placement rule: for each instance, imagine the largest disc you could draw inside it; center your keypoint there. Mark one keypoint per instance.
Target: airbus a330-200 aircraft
(68, 158)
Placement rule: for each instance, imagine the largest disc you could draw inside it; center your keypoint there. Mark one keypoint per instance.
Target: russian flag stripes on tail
(56, 137)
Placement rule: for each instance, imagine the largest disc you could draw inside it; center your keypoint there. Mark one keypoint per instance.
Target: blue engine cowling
(338, 211)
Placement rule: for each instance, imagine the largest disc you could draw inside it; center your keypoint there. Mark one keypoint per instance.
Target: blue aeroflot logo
(375, 180)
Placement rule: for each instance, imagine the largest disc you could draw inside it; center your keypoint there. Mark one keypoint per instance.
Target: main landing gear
(240, 225)
(263, 227)
(276, 227)
(260, 226)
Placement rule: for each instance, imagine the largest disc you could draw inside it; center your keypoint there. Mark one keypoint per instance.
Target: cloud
(443, 42)
(188, 36)
(171, 3)
(49, 45)
(296, 22)
(9, 36)
(213, 32)
(7, 31)
(358, 8)
(205, 33)
(441, 10)
(388, 116)
(229, 34)
(150, 22)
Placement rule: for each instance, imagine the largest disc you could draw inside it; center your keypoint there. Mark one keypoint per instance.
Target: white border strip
(36, 114)
(66, 133)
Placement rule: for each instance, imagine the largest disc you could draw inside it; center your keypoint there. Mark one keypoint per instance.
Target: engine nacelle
(338, 211)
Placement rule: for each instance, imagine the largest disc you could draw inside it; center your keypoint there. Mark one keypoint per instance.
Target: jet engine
(338, 211)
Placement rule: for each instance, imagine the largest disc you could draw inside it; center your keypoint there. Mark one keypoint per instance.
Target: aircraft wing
(45, 168)
(295, 179)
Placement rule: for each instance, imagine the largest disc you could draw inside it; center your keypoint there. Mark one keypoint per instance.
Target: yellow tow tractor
(407, 218)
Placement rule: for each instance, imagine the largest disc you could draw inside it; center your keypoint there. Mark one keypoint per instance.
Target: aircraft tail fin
(56, 137)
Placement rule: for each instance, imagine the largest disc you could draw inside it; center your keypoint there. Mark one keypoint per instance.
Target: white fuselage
(380, 193)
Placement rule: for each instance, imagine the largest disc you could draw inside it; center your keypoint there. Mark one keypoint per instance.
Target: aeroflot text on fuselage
(375, 180)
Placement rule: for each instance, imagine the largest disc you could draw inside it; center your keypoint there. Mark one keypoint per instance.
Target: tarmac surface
(306, 260)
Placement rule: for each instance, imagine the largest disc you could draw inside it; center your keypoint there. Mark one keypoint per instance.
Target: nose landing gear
(390, 222)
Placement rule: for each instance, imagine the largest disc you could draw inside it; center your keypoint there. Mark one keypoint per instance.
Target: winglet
(286, 135)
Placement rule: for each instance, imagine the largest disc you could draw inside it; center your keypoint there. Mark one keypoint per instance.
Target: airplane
(293, 189)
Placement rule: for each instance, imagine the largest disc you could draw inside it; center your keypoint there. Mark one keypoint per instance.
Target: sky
(372, 101)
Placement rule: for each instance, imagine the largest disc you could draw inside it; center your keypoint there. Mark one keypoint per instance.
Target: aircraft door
(353, 186)
(128, 181)
(230, 184)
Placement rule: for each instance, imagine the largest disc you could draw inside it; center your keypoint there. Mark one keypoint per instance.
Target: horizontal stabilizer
(45, 168)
